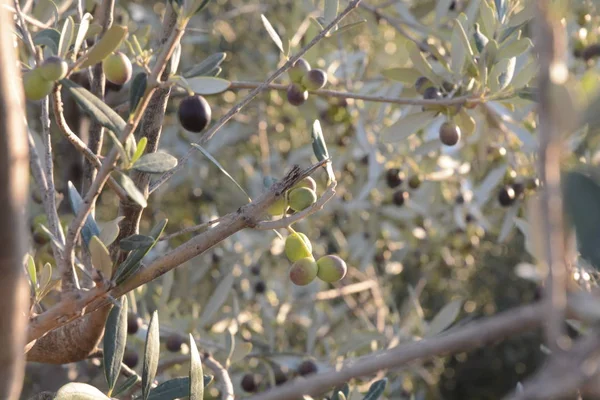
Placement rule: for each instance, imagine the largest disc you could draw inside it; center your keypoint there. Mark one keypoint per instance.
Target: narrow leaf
(135, 242)
(100, 256)
(421, 64)
(514, 49)
(501, 74)
(175, 388)
(155, 163)
(137, 90)
(330, 12)
(115, 338)
(218, 165)
(404, 75)
(272, 33)
(132, 262)
(132, 190)
(32, 272)
(66, 37)
(110, 41)
(207, 85)
(90, 228)
(96, 108)
(141, 147)
(217, 299)
(109, 231)
(119, 146)
(151, 354)
(320, 148)
(49, 38)
(406, 126)
(196, 374)
(376, 389)
(126, 385)
(207, 65)
(84, 26)
(444, 318)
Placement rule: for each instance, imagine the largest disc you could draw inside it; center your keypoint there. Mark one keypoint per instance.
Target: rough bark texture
(14, 181)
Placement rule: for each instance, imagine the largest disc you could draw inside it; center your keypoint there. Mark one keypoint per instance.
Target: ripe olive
(506, 196)
(298, 70)
(117, 68)
(331, 268)
(297, 246)
(301, 198)
(130, 358)
(54, 68)
(519, 189)
(296, 94)
(432, 93)
(249, 383)
(394, 177)
(260, 287)
(303, 271)
(314, 79)
(307, 367)
(255, 270)
(399, 197)
(194, 113)
(449, 133)
(174, 342)
(422, 84)
(35, 86)
(133, 323)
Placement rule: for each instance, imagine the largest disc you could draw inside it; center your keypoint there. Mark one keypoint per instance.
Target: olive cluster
(252, 382)
(449, 132)
(515, 189)
(38, 82)
(301, 196)
(303, 78)
(394, 178)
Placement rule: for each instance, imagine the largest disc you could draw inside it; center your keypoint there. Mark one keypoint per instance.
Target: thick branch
(474, 335)
(14, 182)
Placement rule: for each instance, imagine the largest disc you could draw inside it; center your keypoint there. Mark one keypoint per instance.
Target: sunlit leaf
(444, 318)
(132, 190)
(82, 32)
(151, 354)
(110, 41)
(272, 33)
(49, 38)
(196, 374)
(66, 37)
(100, 256)
(115, 338)
(155, 163)
(79, 391)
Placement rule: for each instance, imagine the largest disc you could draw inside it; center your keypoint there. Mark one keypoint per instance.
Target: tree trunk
(14, 180)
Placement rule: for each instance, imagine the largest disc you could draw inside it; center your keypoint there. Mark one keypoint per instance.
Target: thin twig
(473, 335)
(255, 92)
(191, 229)
(222, 376)
(79, 145)
(287, 221)
(27, 18)
(343, 291)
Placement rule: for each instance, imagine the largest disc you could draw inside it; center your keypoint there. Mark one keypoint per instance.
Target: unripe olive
(296, 94)
(415, 181)
(307, 367)
(307, 182)
(174, 342)
(54, 69)
(449, 133)
(298, 70)
(314, 79)
(331, 268)
(301, 198)
(304, 271)
(117, 68)
(278, 208)
(297, 246)
(194, 113)
(35, 86)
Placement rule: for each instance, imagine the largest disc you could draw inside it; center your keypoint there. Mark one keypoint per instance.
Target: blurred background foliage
(450, 240)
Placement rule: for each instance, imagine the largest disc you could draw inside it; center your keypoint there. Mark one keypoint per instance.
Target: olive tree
(465, 124)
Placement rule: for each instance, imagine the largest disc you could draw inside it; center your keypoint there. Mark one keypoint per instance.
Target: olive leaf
(272, 33)
(79, 391)
(151, 354)
(136, 91)
(376, 389)
(49, 38)
(90, 228)
(115, 338)
(66, 37)
(444, 318)
(155, 163)
(208, 64)
(196, 374)
(110, 41)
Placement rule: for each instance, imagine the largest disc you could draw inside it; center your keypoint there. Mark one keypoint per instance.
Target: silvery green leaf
(482, 193)
(196, 374)
(406, 126)
(84, 25)
(155, 163)
(132, 190)
(217, 299)
(272, 33)
(509, 222)
(151, 354)
(90, 228)
(444, 318)
(330, 12)
(501, 74)
(480, 39)
(207, 85)
(100, 256)
(376, 389)
(208, 64)
(514, 49)
(49, 38)
(137, 90)
(135, 242)
(501, 6)
(488, 19)
(66, 37)
(115, 338)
